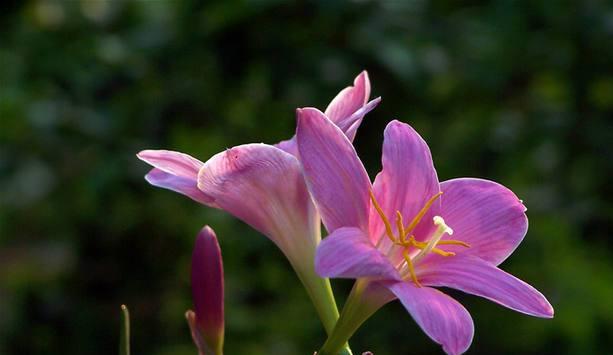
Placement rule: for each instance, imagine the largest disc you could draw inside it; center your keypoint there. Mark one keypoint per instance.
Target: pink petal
(407, 181)
(182, 185)
(348, 125)
(478, 277)
(174, 163)
(348, 253)
(263, 186)
(334, 173)
(484, 214)
(208, 287)
(289, 145)
(377, 293)
(350, 99)
(441, 317)
(175, 171)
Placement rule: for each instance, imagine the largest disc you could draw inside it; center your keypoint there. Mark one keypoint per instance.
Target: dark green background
(520, 92)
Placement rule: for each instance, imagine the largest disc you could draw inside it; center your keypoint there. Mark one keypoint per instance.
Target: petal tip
(397, 124)
(308, 116)
(362, 76)
(143, 154)
(548, 311)
(150, 176)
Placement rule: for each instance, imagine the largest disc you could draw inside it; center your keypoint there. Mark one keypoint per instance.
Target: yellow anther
(407, 257)
(453, 242)
(400, 226)
(386, 222)
(422, 212)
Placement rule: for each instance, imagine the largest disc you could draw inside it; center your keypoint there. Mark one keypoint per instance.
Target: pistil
(441, 229)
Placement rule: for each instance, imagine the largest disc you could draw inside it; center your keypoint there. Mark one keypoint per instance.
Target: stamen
(386, 222)
(453, 242)
(442, 252)
(406, 256)
(400, 226)
(422, 212)
(423, 247)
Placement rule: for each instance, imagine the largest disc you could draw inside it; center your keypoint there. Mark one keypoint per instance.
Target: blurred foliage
(520, 92)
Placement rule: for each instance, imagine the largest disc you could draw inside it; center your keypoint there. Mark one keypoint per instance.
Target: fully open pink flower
(397, 232)
(207, 322)
(263, 185)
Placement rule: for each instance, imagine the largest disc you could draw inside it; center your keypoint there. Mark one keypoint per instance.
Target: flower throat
(406, 243)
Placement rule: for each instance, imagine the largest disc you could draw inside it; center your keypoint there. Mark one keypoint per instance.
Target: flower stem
(362, 302)
(320, 292)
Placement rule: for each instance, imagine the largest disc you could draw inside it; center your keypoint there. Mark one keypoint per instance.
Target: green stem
(124, 334)
(320, 292)
(357, 309)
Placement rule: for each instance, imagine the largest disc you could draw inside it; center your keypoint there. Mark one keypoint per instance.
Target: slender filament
(386, 222)
(407, 257)
(422, 212)
(400, 226)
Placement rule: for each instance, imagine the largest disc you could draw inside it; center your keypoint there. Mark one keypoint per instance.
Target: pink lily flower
(179, 172)
(263, 186)
(207, 322)
(394, 236)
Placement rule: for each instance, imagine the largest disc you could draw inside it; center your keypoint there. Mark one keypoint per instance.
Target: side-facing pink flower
(207, 321)
(395, 234)
(179, 172)
(263, 185)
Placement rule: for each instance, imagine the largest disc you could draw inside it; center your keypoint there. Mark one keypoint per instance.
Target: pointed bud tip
(206, 234)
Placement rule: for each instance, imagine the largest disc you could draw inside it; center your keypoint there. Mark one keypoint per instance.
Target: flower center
(406, 244)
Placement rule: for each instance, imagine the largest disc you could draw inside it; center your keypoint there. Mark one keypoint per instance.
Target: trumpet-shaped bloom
(244, 180)
(179, 172)
(263, 186)
(207, 322)
(408, 233)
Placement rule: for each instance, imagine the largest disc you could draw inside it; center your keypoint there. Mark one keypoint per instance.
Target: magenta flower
(263, 186)
(396, 233)
(207, 322)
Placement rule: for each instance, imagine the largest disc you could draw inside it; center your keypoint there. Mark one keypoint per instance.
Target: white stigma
(441, 229)
(440, 223)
